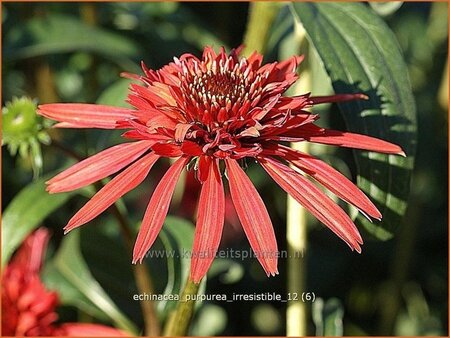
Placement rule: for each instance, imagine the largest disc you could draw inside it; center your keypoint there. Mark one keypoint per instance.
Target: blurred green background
(74, 52)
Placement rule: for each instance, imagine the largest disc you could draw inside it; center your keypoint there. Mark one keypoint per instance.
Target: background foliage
(69, 52)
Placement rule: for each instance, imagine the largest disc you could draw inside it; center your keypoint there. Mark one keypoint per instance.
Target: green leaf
(360, 54)
(110, 264)
(327, 317)
(68, 294)
(70, 276)
(58, 33)
(177, 236)
(115, 94)
(26, 212)
(386, 8)
(229, 271)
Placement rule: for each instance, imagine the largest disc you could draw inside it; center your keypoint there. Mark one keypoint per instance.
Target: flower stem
(141, 274)
(142, 277)
(296, 232)
(262, 14)
(179, 321)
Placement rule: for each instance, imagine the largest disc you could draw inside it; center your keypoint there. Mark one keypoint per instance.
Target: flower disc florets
(221, 106)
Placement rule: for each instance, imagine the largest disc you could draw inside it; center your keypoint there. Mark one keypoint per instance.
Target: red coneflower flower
(28, 308)
(213, 113)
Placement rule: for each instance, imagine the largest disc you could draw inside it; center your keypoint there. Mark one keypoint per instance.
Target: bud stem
(262, 14)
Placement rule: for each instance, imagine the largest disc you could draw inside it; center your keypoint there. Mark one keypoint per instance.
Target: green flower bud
(24, 131)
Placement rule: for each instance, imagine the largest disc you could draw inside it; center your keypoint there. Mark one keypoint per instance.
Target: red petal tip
(196, 280)
(363, 96)
(137, 260)
(273, 274)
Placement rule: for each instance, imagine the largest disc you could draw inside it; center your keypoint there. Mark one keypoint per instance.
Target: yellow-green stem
(179, 321)
(261, 17)
(296, 227)
(296, 233)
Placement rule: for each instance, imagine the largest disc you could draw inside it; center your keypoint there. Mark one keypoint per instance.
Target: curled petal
(98, 166)
(253, 216)
(210, 219)
(113, 190)
(180, 131)
(81, 115)
(314, 200)
(157, 210)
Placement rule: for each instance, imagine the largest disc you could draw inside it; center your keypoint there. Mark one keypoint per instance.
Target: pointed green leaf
(386, 8)
(58, 33)
(177, 236)
(26, 212)
(76, 285)
(360, 54)
(68, 294)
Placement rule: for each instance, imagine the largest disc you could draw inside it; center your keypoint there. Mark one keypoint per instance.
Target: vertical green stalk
(179, 321)
(296, 227)
(296, 235)
(261, 17)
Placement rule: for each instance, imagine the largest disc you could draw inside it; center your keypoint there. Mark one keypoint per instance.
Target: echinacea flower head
(28, 308)
(212, 114)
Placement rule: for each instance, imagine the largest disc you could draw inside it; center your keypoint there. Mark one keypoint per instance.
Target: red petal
(191, 148)
(31, 252)
(253, 216)
(113, 190)
(313, 199)
(294, 103)
(357, 141)
(71, 125)
(290, 65)
(157, 210)
(180, 131)
(210, 219)
(338, 98)
(313, 133)
(167, 149)
(331, 179)
(98, 166)
(81, 115)
(90, 330)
